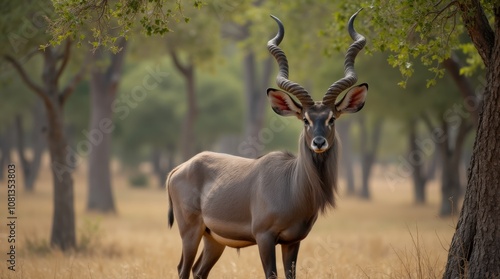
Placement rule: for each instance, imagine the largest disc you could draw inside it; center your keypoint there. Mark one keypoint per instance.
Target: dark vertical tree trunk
(63, 225)
(39, 143)
(450, 184)
(31, 167)
(156, 164)
(369, 147)
(63, 221)
(452, 66)
(103, 89)
(343, 128)
(160, 167)
(100, 195)
(188, 131)
(451, 153)
(255, 93)
(419, 174)
(188, 139)
(255, 86)
(475, 247)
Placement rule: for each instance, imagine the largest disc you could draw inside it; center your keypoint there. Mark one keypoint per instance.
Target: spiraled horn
(350, 76)
(282, 79)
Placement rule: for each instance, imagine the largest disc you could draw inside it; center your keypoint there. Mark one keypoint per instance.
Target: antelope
(275, 199)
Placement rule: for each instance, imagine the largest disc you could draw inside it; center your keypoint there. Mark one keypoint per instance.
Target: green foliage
(412, 31)
(103, 22)
(16, 99)
(23, 26)
(150, 121)
(155, 122)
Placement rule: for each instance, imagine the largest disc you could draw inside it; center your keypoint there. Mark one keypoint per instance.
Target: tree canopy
(422, 32)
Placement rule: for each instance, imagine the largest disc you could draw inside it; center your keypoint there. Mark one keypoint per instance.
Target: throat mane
(317, 176)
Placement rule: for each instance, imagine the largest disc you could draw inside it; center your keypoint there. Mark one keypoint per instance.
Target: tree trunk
(31, 167)
(160, 169)
(103, 90)
(451, 154)
(63, 220)
(63, 233)
(188, 139)
(255, 89)
(369, 147)
(417, 163)
(39, 143)
(475, 247)
(450, 185)
(100, 195)
(452, 66)
(189, 126)
(343, 128)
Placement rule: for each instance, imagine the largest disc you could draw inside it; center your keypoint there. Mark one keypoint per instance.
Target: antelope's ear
(354, 99)
(283, 104)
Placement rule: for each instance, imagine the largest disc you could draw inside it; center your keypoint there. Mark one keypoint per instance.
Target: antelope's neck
(316, 177)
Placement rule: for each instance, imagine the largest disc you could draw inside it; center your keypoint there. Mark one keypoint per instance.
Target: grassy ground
(388, 237)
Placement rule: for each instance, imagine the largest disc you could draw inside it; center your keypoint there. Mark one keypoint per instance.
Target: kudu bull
(275, 199)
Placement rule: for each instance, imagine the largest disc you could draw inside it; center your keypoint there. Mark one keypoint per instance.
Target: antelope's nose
(319, 142)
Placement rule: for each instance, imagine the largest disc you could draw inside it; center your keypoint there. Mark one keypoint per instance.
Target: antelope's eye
(330, 122)
(306, 122)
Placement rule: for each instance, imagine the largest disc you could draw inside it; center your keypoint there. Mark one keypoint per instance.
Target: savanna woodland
(102, 99)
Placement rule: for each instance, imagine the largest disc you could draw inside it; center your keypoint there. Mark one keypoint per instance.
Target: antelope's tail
(170, 205)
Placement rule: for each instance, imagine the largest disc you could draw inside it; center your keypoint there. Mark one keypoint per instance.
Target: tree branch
(29, 82)
(70, 87)
(427, 121)
(65, 56)
(464, 128)
(478, 27)
(184, 69)
(453, 66)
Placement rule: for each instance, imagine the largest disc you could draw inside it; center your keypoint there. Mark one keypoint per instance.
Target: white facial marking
(330, 115)
(306, 115)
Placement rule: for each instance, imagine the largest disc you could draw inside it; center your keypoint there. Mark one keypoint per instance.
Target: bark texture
(475, 247)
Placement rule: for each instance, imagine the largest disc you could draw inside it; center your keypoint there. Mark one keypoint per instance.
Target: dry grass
(386, 238)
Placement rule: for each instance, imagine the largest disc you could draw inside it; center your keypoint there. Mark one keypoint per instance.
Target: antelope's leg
(190, 241)
(212, 250)
(290, 252)
(267, 250)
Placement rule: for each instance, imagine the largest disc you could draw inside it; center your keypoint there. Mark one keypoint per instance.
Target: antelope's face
(318, 118)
